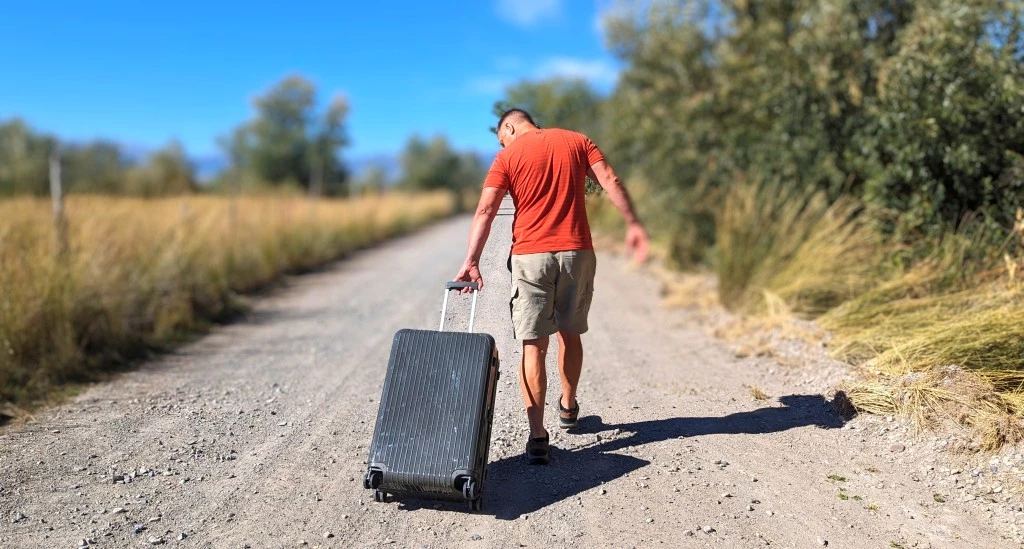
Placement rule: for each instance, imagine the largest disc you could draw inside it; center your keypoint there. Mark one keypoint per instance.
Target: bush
(949, 134)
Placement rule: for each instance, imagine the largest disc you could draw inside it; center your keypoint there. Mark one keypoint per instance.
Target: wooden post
(60, 224)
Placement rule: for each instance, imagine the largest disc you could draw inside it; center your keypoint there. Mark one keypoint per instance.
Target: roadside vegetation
(857, 163)
(140, 275)
(147, 252)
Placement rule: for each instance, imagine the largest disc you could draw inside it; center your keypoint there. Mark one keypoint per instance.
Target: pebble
(603, 491)
(726, 495)
(182, 536)
(750, 508)
(155, 540)
(328, 535)
(138, 528)
(476, 537)
(688, 532)
(822, 542)
(18, 517)
(769, 513)
(897, 448)
(708, 529)
(650, 520)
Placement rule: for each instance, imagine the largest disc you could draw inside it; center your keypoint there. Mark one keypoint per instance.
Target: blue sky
(142, 73)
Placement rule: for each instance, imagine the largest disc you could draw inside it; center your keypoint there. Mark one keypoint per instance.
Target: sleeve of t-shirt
(594, 154)
(497, 176)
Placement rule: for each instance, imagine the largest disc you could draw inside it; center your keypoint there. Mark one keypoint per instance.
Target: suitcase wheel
(470, 489)
(380, 497)
(476, 504)
(372, 479)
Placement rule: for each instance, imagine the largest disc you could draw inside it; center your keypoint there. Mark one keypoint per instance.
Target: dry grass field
(140, 274)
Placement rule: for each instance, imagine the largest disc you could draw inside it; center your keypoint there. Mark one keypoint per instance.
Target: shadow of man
(514, 488)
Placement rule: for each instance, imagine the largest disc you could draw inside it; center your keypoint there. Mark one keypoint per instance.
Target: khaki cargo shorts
(551, 292)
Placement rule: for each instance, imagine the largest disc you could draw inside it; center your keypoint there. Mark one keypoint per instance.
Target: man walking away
(552, 258)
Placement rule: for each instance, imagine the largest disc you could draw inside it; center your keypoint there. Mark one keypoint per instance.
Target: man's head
(512, 124)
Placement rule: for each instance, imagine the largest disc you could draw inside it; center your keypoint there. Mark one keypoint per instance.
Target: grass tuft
(937, 331)
(786, 251)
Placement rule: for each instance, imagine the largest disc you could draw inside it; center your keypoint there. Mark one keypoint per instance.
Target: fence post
(60, 223)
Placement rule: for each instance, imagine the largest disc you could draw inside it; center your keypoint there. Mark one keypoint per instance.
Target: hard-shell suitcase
(433, 427)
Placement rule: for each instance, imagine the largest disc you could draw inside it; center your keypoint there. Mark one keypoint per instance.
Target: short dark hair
(518, 114)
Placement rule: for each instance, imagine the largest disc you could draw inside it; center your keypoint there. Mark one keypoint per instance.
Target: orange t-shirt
(544, 171)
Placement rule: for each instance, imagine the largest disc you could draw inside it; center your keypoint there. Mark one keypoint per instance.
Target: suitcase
(433, 427)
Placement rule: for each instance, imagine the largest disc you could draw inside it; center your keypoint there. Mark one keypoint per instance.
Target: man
(552, 259)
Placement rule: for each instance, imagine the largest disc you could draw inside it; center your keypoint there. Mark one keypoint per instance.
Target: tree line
(290, 143)
(915, 107)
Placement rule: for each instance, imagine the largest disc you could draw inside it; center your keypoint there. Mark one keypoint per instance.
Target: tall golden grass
(139, 274)
(779, 246)
(940, 338)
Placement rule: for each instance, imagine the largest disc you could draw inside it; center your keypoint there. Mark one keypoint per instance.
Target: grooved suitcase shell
(435, 413)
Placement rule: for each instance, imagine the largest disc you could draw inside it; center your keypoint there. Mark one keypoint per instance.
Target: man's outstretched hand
(470, 273)
(637, 243)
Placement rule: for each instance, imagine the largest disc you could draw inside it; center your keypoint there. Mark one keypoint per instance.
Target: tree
(374, 180)
(288, 142)
(433, 165)
(570, 104)
(330, 175)
(167, 171)
(95, 167)
(775, 91)
(24, 159)
(949, 135)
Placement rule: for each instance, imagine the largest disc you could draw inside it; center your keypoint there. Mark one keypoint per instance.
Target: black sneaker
(567, 418)
(537, 451)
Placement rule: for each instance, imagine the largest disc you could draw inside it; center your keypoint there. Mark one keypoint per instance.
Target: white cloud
(597, 72)
(489, 85)
(527, 13)
(600, 73)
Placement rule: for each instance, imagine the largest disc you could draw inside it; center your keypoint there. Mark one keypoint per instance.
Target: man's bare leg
(570, 364)
(533, 381)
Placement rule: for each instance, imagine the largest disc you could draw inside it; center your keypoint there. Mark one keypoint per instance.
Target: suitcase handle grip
(460, 285)
(449, 286)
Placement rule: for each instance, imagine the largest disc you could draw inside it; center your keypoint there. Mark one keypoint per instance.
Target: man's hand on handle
(470, 273)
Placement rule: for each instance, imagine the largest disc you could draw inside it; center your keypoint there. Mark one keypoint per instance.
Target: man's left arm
(490, 201)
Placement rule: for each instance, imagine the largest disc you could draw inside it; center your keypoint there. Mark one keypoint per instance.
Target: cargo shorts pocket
(578, 322)
(532, 312)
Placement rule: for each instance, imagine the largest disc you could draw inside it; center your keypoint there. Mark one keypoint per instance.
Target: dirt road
(256, 435)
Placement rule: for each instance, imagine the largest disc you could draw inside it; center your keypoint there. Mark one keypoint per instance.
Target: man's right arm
(636, 237)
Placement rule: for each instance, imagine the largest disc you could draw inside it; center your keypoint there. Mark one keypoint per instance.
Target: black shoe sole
(538, 460)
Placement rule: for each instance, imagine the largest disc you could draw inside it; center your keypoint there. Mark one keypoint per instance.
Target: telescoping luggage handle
(458, 286)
